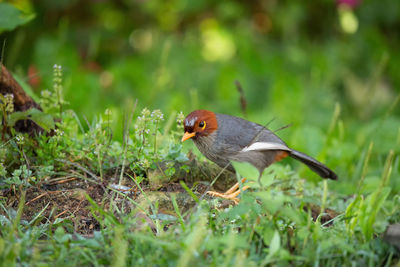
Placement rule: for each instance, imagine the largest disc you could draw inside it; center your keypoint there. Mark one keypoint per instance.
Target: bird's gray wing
(235, 134)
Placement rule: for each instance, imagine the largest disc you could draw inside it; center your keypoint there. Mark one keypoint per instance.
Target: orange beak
(187, 136)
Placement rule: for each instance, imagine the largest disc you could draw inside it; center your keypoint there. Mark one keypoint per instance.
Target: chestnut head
(199, 123)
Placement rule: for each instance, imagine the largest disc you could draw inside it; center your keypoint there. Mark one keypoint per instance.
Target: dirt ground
(61, 198)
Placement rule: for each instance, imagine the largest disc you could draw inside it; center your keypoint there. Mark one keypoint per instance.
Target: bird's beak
(187, 136)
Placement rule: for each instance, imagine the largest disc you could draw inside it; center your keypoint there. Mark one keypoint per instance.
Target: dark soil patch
(63, 198)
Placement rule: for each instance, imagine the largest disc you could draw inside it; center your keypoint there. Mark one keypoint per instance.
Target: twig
(36, 198)
(261, 130)
(283, 127)
(81, 168)
(42, 195)
(79, 205)
(58, 215)
(243, 102)
(63, 181)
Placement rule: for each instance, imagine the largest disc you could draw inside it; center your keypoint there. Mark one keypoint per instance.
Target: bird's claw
(224, 196)
(230, 194)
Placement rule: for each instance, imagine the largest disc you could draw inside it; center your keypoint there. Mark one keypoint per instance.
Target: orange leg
(231, 193)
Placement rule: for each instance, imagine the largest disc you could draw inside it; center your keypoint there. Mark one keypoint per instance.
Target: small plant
(53, 101)
(157, 118)
(146, 150)
(7, 107)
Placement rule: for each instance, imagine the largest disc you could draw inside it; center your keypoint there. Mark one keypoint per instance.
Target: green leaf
(272, 202)
(246, 170)
(40, 118)
(275, 244)
(369, 212)
(353, 211)
(189, 191)
(16, 116)
(268, 234)
(12, 17)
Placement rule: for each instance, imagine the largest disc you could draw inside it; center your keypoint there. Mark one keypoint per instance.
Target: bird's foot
(231, 193)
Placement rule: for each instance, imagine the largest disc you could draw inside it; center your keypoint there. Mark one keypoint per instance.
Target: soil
(62, 198)
(65, 198)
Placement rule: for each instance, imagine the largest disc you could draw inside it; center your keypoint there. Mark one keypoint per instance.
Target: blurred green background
(297, 61)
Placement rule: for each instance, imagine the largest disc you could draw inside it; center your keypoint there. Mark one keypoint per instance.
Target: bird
(224, 138)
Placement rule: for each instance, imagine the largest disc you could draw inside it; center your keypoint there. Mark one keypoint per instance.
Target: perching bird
(223, 138)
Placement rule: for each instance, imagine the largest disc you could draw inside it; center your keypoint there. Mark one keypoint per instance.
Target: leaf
(40, 118)
(268, 234)
(271, 201)
(275, 244)
(246, 170)
(189, 191)
(16, 116)
(373, 205)
(352, 212)
(12, 17)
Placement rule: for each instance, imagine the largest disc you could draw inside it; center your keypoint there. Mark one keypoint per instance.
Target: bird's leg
(231, 193)
(234, 188)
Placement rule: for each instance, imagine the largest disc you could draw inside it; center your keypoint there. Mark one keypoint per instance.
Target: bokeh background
(329, 68)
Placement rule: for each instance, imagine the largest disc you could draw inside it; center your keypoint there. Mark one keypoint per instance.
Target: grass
(277, 222)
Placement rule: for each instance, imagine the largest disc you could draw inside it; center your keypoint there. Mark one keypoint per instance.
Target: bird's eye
(202, 125)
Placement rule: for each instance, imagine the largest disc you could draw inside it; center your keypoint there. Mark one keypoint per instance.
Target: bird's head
(199, 123)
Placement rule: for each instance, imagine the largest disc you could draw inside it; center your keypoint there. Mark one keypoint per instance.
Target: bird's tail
(314, 165)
